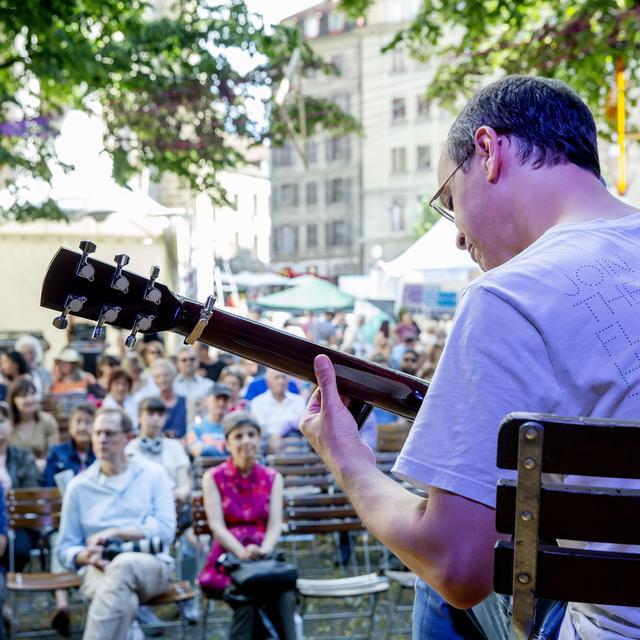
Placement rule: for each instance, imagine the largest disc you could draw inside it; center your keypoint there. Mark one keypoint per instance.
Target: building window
(397, 60)
(287, 195)
(285, 239)
(283, 156)
(338, 62)
(311, 151)
(423, 107)
(399, 160)
(336, 21)
(398, 110)
(312, 26)
(338, 190)
(423, 158)
(397, 214)
(312, 236)
(311, 189)
(337, 148)
(338, 233)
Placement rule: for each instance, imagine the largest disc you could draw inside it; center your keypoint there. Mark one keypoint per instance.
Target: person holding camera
(117, 501)
(243, 502)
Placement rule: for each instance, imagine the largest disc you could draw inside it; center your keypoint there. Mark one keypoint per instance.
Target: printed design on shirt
(605, 290)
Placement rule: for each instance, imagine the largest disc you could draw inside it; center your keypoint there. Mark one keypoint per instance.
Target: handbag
(260, 578)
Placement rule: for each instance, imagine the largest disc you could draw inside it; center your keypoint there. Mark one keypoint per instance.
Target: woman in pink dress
(243, 502)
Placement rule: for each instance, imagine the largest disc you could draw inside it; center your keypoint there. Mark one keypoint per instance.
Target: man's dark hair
(551, 125)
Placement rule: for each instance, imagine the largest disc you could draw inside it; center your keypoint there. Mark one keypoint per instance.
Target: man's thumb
(326, 376)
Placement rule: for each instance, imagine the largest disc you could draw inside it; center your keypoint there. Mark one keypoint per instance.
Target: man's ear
(489, 148)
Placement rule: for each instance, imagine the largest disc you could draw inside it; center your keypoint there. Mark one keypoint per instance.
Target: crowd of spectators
(154, 406)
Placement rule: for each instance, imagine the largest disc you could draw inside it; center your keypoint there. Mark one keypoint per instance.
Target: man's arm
(447, 540)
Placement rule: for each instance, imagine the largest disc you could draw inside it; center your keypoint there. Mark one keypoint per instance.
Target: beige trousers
(116, 592)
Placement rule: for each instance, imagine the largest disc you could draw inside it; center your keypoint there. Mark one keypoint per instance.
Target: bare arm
(274, 524)
(215, 517)
(183, 484)
(448, 540)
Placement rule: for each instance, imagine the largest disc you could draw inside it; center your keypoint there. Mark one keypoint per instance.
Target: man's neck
(278, 396)
(550, 202)
(216, 418)
(188, 377)
(114, 467)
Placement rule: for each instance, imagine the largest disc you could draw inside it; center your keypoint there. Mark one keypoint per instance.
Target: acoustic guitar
(79, 285)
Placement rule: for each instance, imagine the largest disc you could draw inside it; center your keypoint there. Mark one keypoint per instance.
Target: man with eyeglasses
(552, 326)
(189, 383)
(116, 498)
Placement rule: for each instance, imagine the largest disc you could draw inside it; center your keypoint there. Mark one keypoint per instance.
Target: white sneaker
(135, 632)
(190, 611)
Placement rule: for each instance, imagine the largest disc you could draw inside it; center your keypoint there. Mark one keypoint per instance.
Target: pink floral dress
(245, 505)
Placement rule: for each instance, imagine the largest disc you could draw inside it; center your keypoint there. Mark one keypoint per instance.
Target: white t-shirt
(554, 330)
(172, 456)
(277, 417)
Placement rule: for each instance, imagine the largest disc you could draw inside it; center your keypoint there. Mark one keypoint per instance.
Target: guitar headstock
(82, 286)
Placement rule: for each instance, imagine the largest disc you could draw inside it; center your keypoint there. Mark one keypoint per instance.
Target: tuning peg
(72, 304)
(142, 323)
(85, 270)
(107, 314)
(151, 293)
(120, 282)
(205, 315)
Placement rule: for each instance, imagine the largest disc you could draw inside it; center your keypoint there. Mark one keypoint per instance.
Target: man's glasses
(107, 434)
(437, 204)
(187, 359)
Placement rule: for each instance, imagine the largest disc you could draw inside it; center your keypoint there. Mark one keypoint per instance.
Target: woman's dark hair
(17, 358)
(119, 374)
(5, 410)
(384, 327)
(106, 359)
(549, 122)
(20, 387)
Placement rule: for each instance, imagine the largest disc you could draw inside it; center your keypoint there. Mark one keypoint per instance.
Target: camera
(116, 546)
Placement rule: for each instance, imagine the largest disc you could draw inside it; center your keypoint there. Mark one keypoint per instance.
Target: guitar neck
(356, 378)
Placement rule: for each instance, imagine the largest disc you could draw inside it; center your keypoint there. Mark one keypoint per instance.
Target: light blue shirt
(139, 498)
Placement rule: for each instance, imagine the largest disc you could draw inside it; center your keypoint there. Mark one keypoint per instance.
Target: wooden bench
(533, 511)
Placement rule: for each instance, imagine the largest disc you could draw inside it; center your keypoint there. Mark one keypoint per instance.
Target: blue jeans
(434, 619)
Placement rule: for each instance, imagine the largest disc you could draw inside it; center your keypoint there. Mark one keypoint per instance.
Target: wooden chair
(310, 518)
(33, 508)
(302, 473)
(533, 511)
(391, 437)
(201, 464)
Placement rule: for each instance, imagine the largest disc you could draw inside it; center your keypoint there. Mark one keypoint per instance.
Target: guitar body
(79, 285)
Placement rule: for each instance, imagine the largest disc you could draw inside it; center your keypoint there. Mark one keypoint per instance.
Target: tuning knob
(120, 282)
(151, 293)
(142, 323)
(85, 270)
(72, 304)
(107, 314)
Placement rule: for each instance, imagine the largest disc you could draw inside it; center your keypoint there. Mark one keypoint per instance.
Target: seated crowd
(124, 459)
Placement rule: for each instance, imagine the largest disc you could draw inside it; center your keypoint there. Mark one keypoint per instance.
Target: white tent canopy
(251, 279)
(435, 250)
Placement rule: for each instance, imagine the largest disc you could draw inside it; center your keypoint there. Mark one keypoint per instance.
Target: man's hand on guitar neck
(329, 426)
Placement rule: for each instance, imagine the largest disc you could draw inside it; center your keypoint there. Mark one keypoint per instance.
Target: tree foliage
(578, 41)
(168, 94)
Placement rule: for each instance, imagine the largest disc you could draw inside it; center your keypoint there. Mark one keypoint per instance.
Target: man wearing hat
(206, 436)
(68, 376)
